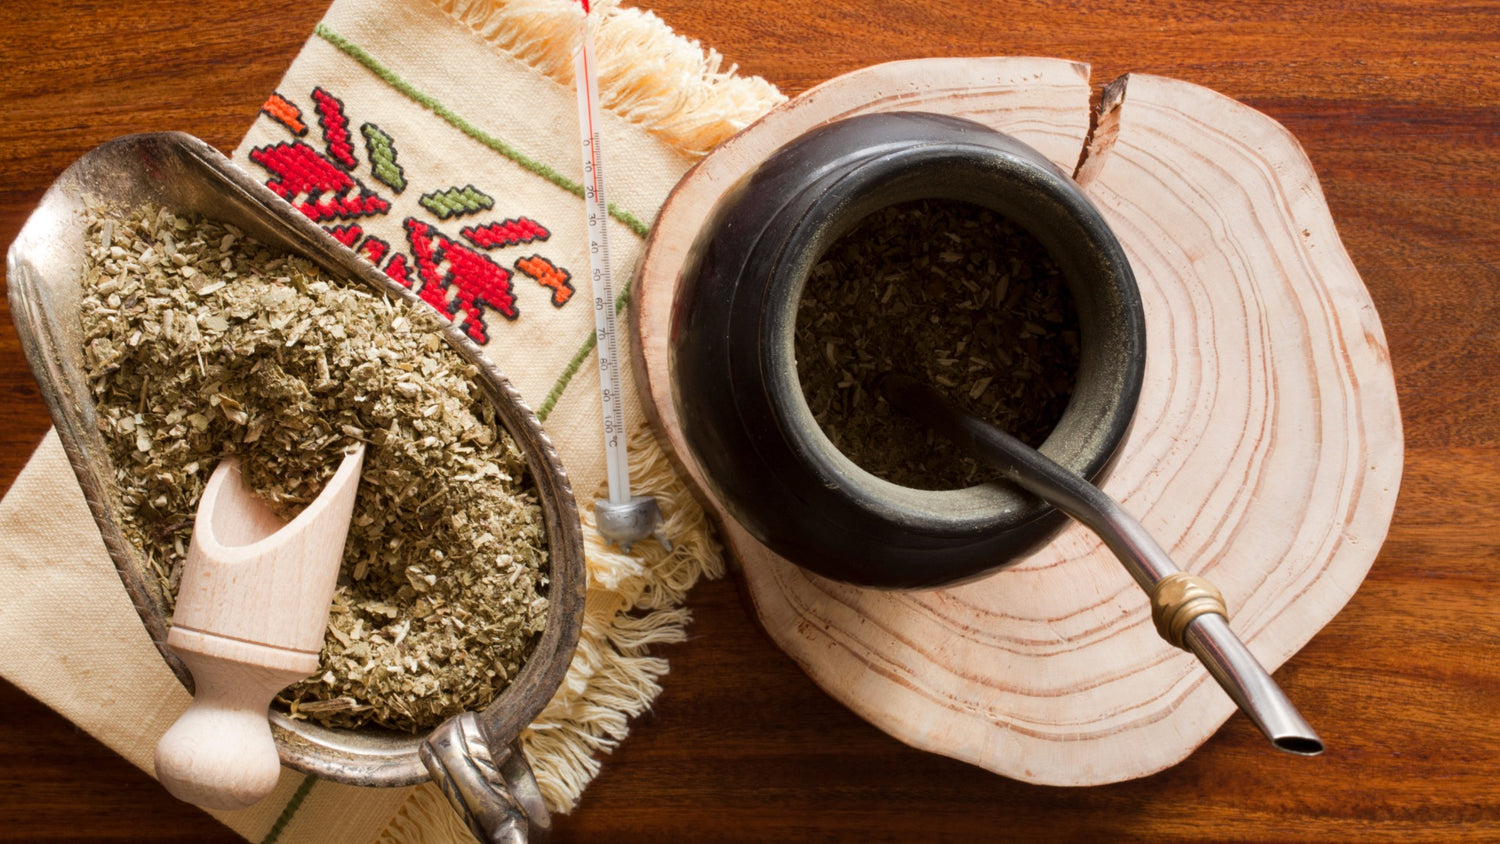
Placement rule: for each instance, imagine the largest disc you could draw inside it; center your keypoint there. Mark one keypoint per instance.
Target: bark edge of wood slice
(1265, 453)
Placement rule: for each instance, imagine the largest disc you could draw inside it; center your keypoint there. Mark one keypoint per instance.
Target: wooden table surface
(1397, 105)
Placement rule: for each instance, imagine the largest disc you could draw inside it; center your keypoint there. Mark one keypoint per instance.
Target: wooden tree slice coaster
(1265, 452)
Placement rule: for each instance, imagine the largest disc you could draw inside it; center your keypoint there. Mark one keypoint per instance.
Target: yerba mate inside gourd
(201, 343)
(948, 292)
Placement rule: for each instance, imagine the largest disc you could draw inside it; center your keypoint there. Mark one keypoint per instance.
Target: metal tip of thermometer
(622, 519)
(626, 523)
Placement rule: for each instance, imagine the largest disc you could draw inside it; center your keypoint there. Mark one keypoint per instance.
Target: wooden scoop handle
(250, 617)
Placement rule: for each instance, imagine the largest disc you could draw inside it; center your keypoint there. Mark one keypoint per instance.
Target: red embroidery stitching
(314, 186)
(548, 274)
(457, 280)
(347, 235)
(335, 128)
(374, 249)
(396, 269)
(472, 279)
(285, 112)
(508, 233)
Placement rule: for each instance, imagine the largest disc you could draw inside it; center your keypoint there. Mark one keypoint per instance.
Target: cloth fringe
(633, 604)
(426, 817)
(672, 86)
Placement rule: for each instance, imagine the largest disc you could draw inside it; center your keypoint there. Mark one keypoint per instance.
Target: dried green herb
(201, 343)
(945, 291)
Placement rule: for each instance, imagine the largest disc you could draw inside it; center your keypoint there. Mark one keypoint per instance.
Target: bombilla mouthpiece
(1257, 695)
(1189, 613)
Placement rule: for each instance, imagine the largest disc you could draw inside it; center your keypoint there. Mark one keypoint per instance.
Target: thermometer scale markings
(605, 324)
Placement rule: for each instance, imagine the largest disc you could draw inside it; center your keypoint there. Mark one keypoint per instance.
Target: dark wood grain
(1397, 105)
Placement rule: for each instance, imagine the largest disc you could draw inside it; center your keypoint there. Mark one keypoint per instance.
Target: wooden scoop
(250, 618)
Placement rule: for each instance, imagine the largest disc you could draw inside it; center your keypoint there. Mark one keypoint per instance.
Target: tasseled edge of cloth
(672, 86)
(634, 602)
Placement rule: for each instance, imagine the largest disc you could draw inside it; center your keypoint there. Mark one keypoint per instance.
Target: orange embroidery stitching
(550, 275)
(285, 112)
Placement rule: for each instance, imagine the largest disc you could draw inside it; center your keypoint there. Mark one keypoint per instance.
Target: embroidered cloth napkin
(438, 138)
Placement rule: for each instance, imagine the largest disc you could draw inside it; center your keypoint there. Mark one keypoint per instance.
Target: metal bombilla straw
(1188, 610)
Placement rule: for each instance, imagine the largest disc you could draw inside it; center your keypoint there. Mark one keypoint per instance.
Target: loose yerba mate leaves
(948, 292)
(201, 343)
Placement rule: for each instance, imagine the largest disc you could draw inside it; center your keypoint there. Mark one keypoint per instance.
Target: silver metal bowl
(473, 755)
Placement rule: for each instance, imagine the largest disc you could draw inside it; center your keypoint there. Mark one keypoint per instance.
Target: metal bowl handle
(492, 789)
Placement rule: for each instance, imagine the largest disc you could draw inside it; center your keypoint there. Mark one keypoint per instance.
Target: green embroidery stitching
(292, 806)
(455, 202)
(567, 375)
(456, 121)
(577, 360)
(381, 148)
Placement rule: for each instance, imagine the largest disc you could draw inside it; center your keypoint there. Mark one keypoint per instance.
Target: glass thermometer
(621, 518)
